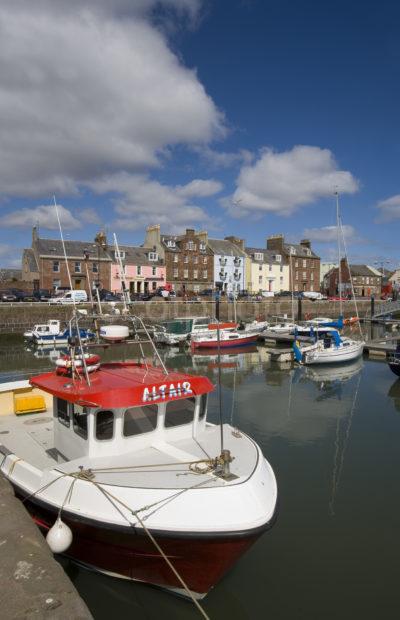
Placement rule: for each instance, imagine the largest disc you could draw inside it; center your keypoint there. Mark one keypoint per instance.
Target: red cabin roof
(123, 384)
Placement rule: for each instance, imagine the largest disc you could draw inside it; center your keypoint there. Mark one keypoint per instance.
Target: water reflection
(394, 394)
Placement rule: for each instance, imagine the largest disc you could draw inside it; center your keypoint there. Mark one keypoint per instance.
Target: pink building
(143, 267)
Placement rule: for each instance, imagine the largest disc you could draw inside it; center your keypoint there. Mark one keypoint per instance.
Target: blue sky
(235, 116)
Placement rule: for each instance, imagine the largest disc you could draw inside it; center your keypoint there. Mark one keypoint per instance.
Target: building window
(297, 276)
(205, 274)
(196, 288)
(258, 256)
(154, 285)
(56, 283)
(179, 412)
(195, 259)
(186, 259)
(304, 262)
(175, 273)
(281, 269)
(104, 425)
(77, 267)
(269, 267)
(296, 263)
(154, 271)
(171, 243)
(259, 279)
(119, 255)
(138, 420)
(204, 260)
(95, 268)
(259, 267)
(153, 256)
(281, 279)
(304, 275)
(56, 266)
(190, 245)
(186, 273)
(292, 250)
(175, 258)
(195, 274)
(139, 270)
(278, 258)
(80, 421)
(202, 247)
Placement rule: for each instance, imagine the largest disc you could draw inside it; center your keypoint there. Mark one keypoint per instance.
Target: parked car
(7, 296)
(109, 297)
(283, 294)
(70, 297)
(42, 294)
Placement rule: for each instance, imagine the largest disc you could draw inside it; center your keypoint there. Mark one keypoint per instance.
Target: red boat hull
(225, 344)
(200, 559)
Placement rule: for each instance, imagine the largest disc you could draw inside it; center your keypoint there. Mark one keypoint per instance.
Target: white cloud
(282, 182)
(89, 216)
(143, 201)
(389, 209)
(199, 188)
(328, 234)
(44, 216)
(89, 88)
(223, 159)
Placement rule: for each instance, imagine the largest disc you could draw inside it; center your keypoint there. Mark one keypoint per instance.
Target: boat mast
(291, 285)
(125, 290)
(338, 242)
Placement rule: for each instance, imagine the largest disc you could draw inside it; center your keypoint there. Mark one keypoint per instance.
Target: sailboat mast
(338, 242)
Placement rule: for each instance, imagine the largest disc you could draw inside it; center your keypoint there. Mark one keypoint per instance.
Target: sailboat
(329, 347)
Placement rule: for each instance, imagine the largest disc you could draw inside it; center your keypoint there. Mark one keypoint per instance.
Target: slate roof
(268, 255)
(363, 270)
(301, 250)
(29, 256)
(136, 255)
(74, 249)
(224, 247)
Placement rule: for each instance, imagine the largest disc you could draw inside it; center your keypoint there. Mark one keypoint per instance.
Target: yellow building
(266, 271)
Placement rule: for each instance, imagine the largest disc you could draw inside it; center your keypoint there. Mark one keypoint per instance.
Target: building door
(78, 284)
(146, 287)
(138, 287)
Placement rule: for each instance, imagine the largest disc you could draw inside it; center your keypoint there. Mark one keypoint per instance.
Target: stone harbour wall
(18, 317)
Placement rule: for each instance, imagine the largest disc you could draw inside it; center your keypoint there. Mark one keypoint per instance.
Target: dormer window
(202, 247)
(171, 243)
(153, 256)
(258, 256)
(190, 245)
(292, 250)
(278, 258)
(119, 255)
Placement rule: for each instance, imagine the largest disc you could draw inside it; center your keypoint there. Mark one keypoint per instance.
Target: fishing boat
(181, 329)
(393, 360)
(123, 472)
(46, 338)
(51, 327)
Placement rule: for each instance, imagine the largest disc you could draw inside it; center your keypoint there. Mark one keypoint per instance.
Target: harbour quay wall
(33, 584)
(18, 317)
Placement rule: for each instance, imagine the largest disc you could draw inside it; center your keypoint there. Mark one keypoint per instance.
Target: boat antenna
(73, 298)
(338, 243)
(125, 290)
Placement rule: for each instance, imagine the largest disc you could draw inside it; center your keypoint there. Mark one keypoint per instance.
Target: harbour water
(332, 436)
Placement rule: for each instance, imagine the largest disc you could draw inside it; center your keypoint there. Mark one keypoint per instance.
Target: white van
(313, 295)
(70, 297)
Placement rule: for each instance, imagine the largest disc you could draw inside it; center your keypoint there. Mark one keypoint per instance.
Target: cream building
(266, 271)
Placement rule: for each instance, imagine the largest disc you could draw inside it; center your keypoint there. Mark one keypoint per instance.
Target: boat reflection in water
(394, 393)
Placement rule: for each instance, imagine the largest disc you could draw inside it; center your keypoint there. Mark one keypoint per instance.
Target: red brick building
(367, 281)
(188, 260)
(44, 265)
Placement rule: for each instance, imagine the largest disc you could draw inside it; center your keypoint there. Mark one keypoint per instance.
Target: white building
(324, 269)
(229, 263)
(266, 271)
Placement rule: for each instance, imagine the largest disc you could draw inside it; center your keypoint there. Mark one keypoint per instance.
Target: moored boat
(126, 455)
(223, 338)
(393, 360)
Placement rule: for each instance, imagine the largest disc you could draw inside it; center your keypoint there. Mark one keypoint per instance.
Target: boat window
(79, 420)
(63, 412)
(203, 406)
(179, 412)
(104, 425)
(138, 420)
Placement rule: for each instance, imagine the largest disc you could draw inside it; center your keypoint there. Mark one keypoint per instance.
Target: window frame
(113, 425)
